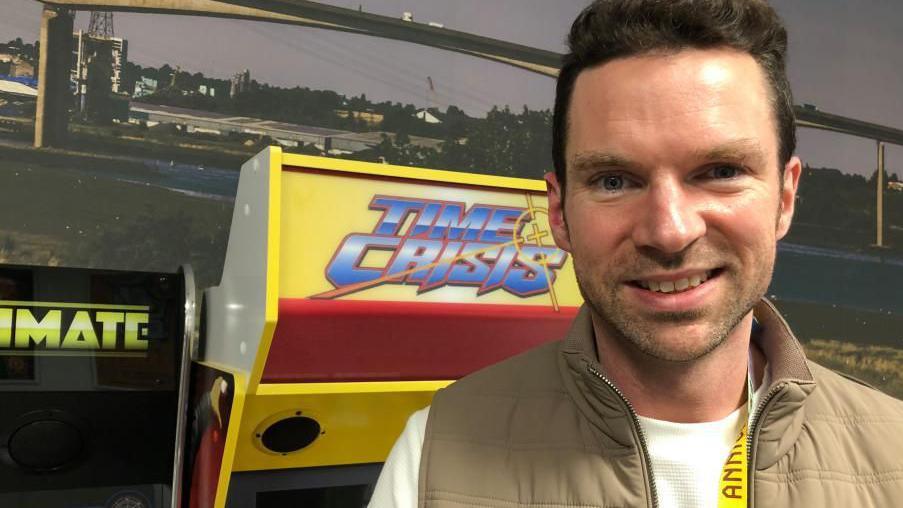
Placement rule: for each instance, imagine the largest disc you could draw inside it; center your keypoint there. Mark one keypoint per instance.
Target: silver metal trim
(189, 346)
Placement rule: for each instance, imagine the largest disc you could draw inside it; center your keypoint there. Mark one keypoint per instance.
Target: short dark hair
(611, 29)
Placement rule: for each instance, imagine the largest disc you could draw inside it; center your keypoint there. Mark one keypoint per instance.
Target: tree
(504, 143)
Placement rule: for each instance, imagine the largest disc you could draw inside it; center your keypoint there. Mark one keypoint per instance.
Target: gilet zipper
(644, 451)
(752, 438)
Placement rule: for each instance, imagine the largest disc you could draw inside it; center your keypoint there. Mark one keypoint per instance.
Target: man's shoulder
(850, 399)
(851, 434)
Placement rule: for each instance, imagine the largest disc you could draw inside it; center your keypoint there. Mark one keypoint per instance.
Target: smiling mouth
(676, 286)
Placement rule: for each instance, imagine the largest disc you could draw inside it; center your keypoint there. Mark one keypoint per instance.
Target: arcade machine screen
(88, 377)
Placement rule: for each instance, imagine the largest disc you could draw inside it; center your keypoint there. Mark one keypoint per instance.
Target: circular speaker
(45, 445)
(128, 500)
(290, 434)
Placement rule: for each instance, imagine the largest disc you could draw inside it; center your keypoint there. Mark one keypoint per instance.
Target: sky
(845, 58)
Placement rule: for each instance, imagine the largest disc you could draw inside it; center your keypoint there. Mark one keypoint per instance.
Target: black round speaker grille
(45, 445)
(290, 434)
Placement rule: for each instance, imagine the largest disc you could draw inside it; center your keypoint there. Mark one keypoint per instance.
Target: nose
(669, 218)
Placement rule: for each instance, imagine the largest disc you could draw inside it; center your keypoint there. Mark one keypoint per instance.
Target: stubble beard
(641, 332)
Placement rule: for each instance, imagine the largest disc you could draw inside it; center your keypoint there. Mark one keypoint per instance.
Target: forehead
(660, 108)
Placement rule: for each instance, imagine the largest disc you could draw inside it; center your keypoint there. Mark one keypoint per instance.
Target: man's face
(674, 197)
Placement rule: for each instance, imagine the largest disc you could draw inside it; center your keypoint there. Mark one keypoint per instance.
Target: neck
(702, 390)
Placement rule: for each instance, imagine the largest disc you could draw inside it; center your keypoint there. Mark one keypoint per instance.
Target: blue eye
(612, 182)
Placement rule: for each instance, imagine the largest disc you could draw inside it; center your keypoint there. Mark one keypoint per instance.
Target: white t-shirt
(397, 484)
(686, 459)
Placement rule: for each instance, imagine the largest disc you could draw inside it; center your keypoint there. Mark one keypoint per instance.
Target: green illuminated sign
(72, 327)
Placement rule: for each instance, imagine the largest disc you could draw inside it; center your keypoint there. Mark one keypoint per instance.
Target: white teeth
(674, 286)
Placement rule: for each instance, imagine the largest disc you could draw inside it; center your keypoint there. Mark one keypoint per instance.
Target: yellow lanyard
(732, 489)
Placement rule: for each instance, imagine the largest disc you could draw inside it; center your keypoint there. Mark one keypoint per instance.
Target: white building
(86, 48)
(144, 86)
(427, 117)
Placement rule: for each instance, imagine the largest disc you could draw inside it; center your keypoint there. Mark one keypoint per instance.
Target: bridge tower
(101, 24)
(52, 112)
(98, 69)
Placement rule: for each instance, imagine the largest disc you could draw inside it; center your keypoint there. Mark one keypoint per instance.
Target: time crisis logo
(434, 243)
(32, 327)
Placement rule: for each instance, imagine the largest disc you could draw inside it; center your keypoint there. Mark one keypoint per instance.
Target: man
(677, 385)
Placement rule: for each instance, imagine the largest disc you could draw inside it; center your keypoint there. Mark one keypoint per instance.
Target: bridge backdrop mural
(122, 130)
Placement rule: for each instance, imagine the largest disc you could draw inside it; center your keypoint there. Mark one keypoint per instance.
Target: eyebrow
(586, 161)
(745, 150)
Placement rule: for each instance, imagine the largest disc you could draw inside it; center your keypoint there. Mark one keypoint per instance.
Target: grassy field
(136, 142)
(880, 366)
(55, 216)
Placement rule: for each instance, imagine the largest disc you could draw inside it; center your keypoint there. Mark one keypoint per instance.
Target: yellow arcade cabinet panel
(352, 292)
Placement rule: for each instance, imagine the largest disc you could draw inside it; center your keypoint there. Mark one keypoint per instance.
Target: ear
(556, 212)
(792, 171)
